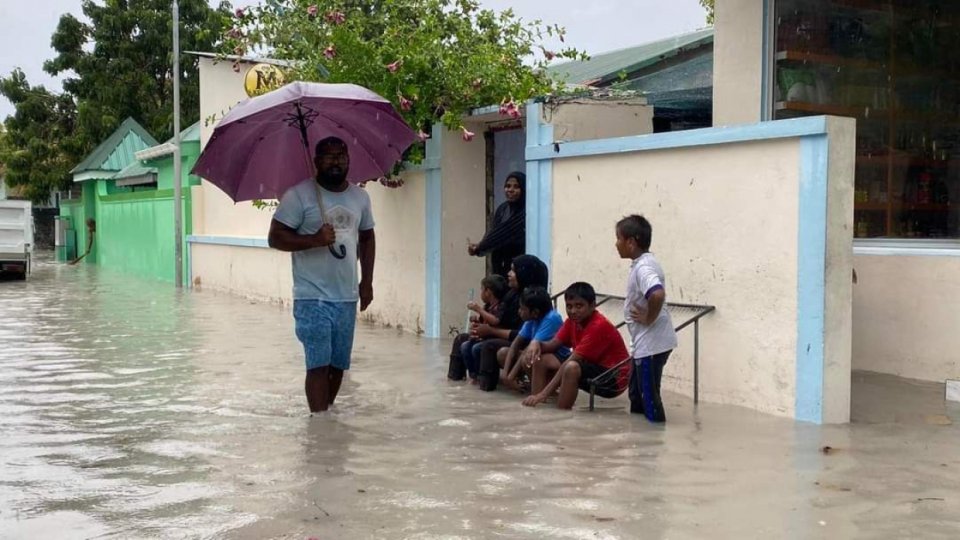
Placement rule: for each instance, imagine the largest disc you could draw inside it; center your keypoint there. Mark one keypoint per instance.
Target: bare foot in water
(510, 383)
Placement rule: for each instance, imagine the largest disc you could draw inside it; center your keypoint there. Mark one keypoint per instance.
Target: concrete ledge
(240, 241)
(953, 391)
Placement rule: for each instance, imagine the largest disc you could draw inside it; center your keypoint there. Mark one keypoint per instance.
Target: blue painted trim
(433, 234)
(539, 187)
(239, 241)
(533, 176)
(426, 165)
(811, 278)
(780, 129)
(767, 54)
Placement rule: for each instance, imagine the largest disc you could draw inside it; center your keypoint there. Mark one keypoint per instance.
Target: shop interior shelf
(902, 160)
(869, 113)
(836, 110)
(901, 10)
(829, 59)
(904, 75)
(926, 207)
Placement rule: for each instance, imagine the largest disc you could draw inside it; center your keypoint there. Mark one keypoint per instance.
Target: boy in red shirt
(597, 346)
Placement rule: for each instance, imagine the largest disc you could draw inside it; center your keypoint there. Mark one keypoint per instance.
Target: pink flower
(510, 109)
(312, 11)
(467, 134)
(238, 12)
(390, 182)
(330, 52)
(405, 104)
(336, 17)
(422, 135)
(392, 68)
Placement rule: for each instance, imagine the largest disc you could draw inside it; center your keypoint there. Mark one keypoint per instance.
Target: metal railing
(692, 313)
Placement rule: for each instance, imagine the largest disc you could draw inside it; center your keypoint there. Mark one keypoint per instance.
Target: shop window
(892, 65)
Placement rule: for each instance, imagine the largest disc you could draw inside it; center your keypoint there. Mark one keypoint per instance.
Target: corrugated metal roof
(191, 134)
(116, 152)
(606, 67)
(693, 73)
(134, 169)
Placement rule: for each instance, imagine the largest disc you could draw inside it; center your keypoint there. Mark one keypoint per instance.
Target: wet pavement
(128, 410)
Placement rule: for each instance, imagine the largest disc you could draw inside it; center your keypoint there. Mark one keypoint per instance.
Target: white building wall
(737, 62)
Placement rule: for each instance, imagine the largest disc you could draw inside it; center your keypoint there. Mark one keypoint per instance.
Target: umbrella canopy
(264, 145)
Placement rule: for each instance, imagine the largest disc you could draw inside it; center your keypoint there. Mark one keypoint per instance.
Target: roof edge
(246, 59)
(689, 47)
(128, 125)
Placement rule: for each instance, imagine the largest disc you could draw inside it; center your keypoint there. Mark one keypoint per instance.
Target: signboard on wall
(262, 78)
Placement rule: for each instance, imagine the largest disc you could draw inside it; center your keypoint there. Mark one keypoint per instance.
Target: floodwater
(128, 410)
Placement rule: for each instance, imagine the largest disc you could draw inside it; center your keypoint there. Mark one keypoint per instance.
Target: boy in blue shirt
(541, 324)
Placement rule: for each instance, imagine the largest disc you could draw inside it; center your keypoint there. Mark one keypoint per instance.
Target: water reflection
(129, 410)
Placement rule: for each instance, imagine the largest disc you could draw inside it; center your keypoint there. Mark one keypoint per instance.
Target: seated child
(597, 347)
(525, 271)
(465, 356)
(541, 323)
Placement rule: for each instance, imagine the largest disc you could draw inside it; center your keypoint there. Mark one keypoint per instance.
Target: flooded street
(128, 410)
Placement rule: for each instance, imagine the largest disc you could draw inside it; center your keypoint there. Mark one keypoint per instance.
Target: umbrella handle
(342, 252)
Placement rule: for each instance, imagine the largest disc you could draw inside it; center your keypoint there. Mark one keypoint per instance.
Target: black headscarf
(519, 205)
(530, 272)
(509, 226)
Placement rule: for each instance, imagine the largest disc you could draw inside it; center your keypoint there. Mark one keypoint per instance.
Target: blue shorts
(326, 331)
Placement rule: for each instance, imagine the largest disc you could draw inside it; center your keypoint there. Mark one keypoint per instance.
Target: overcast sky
(595, 26)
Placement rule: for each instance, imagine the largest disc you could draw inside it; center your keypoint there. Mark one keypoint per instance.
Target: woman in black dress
(506, 237)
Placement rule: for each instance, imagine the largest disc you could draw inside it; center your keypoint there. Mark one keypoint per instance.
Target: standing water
(131, 410)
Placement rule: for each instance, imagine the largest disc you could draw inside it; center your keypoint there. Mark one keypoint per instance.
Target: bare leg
(336, 378)
(317, 387)
(502, 357)
(569, 385)
(545, 380)
(543, 371)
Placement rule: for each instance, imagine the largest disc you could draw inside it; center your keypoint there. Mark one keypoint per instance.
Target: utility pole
(177, 164)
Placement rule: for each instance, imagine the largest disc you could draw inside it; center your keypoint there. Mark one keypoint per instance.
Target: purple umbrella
(262, 147)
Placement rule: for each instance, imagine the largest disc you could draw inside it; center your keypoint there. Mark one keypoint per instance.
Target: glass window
(892, 65)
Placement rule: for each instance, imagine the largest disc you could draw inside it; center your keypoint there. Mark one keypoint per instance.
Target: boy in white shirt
(651, 329)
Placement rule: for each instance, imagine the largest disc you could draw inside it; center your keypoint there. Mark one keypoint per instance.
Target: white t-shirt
(317, 274)
(646, 276)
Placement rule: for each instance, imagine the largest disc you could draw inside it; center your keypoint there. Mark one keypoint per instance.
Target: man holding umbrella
(325, 287)
(262, 149)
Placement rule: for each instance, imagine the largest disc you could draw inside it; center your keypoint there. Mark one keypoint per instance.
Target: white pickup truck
(16, 238)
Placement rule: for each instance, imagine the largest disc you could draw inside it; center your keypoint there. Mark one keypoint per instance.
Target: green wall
(73, 209)
(78, 210)
(135, 233)
(135, 225)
